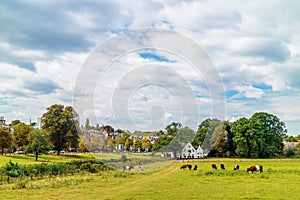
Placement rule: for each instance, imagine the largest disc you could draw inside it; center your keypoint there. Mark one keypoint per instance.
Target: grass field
(280, 180)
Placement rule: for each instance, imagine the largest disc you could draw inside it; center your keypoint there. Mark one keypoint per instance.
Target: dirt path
(130, 185)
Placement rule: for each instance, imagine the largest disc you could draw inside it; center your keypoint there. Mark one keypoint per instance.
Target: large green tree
(5, 139)
(207, 135)
(38, 143)
(270, 131)
(60, 123)
(243, 137)
(260, 136)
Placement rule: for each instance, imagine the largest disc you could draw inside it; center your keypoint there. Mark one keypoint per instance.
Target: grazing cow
(222, 166)
(214, 166)
(195, 167)
(141, 168)
(127, 167)
(184, 166)
(236, 167)
(255, 168)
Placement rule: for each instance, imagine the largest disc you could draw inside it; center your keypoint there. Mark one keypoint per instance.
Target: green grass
(280, 180)
(30, 159)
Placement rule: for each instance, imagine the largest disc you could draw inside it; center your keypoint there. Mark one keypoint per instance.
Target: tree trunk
(2, 151)
(36, 156)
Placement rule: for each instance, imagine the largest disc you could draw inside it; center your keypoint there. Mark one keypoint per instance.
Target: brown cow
(184, 166)
(214, 166)
(222, 166)
(255, 168)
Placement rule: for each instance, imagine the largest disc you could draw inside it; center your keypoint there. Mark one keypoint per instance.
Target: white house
(189, 151)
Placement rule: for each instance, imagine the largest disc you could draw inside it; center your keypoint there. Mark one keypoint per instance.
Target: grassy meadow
(280, 180)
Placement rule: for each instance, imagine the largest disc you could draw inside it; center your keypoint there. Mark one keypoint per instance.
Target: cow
(222, 166)
(195, 167)
(141, 168)
(127, 167)
(255, 168)
(214, 166)
(184, 166)
(236, 167)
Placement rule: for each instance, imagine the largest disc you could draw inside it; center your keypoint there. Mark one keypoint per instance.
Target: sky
(225, 59)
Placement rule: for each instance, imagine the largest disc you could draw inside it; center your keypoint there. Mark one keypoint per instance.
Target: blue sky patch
(153, 56)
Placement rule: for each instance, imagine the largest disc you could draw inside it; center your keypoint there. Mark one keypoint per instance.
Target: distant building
(290, 144)
(2, 121)
(189, 151)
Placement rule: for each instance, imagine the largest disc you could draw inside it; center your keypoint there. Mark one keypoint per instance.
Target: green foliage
(38, 143)
(172, 129)
(128, 143)
(290, 151)
(5, 139)
(137, 143)
(205, 128)
(39, 170)
(21, 135)
(161, 142)
(60, 123)
(260, 136)
(290, 138)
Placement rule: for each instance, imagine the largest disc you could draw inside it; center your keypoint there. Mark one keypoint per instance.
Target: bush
(290, 151)
(14, 170)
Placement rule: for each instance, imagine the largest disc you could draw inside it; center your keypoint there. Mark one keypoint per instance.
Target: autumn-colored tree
(146, 144)
(5, 139)
(21, 135)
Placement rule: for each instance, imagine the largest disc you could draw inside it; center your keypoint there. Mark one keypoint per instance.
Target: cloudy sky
(46, 48)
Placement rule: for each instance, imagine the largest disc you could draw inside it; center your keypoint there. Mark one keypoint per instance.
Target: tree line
(58, 132)
(260, 136)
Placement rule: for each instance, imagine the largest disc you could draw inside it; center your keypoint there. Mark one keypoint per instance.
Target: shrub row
(14, 170)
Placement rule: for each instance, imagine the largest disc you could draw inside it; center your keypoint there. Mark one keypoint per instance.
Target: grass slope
(280, 180)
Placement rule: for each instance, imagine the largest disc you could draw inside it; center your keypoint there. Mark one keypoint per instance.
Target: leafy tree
(87, 124)
(220, 139)
(38, 143)
(82, 147)
(128, 143)
(60, 122)
(111, 144)
(146, 144)
(270, 132)
(15, 122)
(243, 138)
(290, 151)
(161, 142)
(5, 139)
(160, 132)
(172, 129)
(137, 143)
(205, 129)
(108, 129)
(21, 135)
(290, 138)
(260, 136)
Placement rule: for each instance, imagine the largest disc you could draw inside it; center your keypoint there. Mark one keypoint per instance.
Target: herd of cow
(254, 168)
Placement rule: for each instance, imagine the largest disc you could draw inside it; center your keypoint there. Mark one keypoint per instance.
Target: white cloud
(253, 45)
(250, 92)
